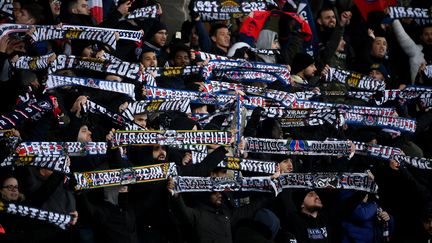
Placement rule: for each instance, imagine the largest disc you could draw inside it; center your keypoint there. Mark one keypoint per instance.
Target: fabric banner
(146, 12)
(96, 10)
(297, 147)
(60, 149)
(58, 219)
(191, 148)
(363, 110)
(168, 137)
(396, 123)
(218, 184)
(57, 81)
(33, 63)
(419, 163)
(56, 163)
(28, 111)
(354, 79)
(43, 33)
(123, 69)
(304, 10)
(116, 118)
(366, 6)
(174, 71)
(324, 180)
(124, 176)
(201, 97)
(225, 9)
(145, 106)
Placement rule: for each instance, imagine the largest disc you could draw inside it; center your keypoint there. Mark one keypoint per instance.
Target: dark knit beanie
(156, 27)
(300, 62)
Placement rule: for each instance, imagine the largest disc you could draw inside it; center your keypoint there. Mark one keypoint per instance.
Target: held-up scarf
(168, 137)
(7, 133)
(43, 33)
(244, 75)
(297, 147)
(421, 15)
(56, 163)
(57, 81)
(192, 148)
(212, 184)
(233, 163)
(28, 111)
(145, 106)
(60, 148)
(32, 63)
(376, 150)
(276, 70)
(201, 97)
(174, 71)
(304, 117)
(124, 176)
(123, 34)
(420, 163)
(355, 80)
(324, 180)
(145, 12)
(116, 118)
(363, 110)
(284, 98)
(396, 123)
(58, 219)
(122, 69)
(6, 7)
(223, 10)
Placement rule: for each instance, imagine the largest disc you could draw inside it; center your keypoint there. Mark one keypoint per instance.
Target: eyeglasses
(11, 187)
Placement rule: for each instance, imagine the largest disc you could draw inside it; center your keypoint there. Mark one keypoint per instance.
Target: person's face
(149, 59)
(277, 131)
(159, 153)
(55, 7)
(9, 190)
(426, 36)
(194, 39)
(286, 166)
(141, 119)
(23, 17)
(376, 75)
(216, 198)
(427, 225)
(160, 37)
(16, 9)
(113, 78)
(312, 202)
(181, 59)
(275, 44)
(82, 7)
(222, 38)
(327, 19)
(87, 52)
(309, 72)
(84, 134)
(379, 47)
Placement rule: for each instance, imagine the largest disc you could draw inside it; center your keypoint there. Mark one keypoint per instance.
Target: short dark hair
(323, 9)
(34, 10)
(214, 28)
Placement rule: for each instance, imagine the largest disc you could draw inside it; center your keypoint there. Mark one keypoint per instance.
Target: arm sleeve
(204, 40)
(365, 211)
(186, 213)
(207, 165)
(407, 44)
